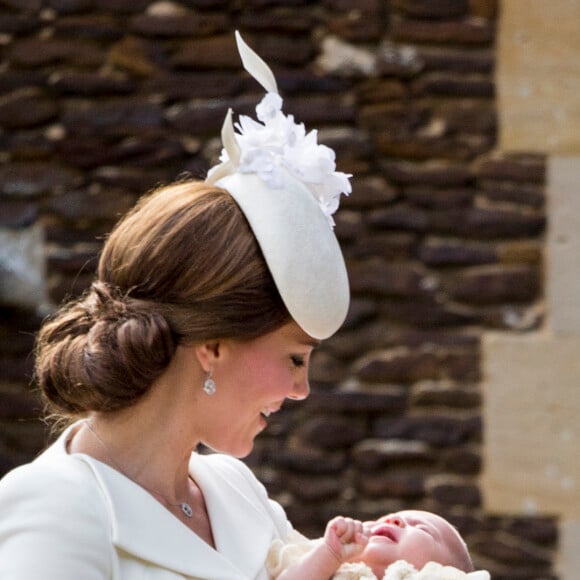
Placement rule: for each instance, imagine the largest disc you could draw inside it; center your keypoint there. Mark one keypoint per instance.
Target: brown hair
(182, 267)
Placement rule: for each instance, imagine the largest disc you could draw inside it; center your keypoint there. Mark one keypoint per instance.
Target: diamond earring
(209, 387)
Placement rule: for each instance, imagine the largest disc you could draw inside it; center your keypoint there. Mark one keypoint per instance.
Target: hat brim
(300, 249)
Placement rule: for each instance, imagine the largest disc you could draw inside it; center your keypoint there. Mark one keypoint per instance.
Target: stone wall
(443, 236)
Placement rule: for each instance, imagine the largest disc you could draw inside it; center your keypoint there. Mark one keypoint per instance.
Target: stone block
(488, 223)
(193, 85)
(376, 400)
(375, 454)
(310, 460)
(443, 58)
(121, 6)
(118, 116)
(395, 118)
(286, 19)
(495, 284)
(89, 26)
(563, 245)
(504, 549)
(319, 488)
(464, 461)
(513, 192)
(443, 84)
(540, 530)
(429, 314)
(390, 246)
(26, 108)
(398, 483)
(438, 252)
(176, 25)
(90, 84)
(530, 414)
(538, 77)
(369, 191)
(429, 9)
(29, 179)
(332, 432)
(434, 172)
(377, 276)
(450, 491)
(470, 31)
(71, 6)
(363, 24)
(438, 431)
(423, 146)
(43, 52)
(439, 198)
(514, 317)
(400, 217)
(445, 394)
(132, 178)
(569, 560)
(18, 23)
(523, 168)
(22, 267)
(204, 53)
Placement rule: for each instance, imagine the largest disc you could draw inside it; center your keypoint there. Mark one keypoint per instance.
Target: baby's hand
(345, 538)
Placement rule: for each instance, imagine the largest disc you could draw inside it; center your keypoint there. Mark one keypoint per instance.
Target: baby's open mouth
(385, 531)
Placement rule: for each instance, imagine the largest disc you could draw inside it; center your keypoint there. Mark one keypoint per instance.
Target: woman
(208, 301)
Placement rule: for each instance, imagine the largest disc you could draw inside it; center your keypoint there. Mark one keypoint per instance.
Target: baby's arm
(343, 539)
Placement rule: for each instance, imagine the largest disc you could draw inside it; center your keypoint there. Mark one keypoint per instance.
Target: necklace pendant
(186, 509)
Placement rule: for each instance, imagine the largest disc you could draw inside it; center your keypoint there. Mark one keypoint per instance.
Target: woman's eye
(297, 361)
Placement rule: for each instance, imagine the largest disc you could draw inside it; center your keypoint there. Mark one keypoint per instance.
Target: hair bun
(104, 352)
(104, 301)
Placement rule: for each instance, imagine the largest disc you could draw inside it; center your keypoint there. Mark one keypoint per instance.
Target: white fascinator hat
(286, 185)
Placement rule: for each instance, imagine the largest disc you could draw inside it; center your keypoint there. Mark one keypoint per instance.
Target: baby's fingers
(353, 549)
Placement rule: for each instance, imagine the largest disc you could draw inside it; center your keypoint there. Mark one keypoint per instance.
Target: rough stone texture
(22, 267)
(101, 100)
(539, 440)
(539, 112)
(563, 246)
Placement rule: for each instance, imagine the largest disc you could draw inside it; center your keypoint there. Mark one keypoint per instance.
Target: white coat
(71, 517)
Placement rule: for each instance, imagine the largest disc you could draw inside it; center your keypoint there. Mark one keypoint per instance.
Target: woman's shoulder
(53, 508)
(56, 483)
(52, 467)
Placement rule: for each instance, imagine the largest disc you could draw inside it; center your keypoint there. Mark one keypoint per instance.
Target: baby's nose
(396, 521)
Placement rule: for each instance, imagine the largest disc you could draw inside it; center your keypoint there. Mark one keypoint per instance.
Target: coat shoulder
(53, 508)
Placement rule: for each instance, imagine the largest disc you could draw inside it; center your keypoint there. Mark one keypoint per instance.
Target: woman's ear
(207, 354)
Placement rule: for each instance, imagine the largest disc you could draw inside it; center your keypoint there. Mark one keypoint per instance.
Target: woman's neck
(145, 442)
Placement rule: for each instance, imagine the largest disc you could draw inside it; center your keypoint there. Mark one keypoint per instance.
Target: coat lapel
(242, 528)
(142, 527)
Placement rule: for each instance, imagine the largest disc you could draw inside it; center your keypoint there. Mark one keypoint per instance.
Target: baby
(409, 544)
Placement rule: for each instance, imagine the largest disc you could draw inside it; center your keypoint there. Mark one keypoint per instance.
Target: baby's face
(412, 535)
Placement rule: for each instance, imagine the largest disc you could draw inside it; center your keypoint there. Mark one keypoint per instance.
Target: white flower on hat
(276, 142)
(287, 187)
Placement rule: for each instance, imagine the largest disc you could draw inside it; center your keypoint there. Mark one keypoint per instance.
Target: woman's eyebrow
(310, 342)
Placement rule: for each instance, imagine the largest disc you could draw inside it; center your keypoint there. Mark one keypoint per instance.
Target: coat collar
(142, 527)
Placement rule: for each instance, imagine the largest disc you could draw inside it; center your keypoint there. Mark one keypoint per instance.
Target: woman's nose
(300, 391)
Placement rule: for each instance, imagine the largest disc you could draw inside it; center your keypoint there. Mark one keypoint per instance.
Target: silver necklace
(183, 505)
